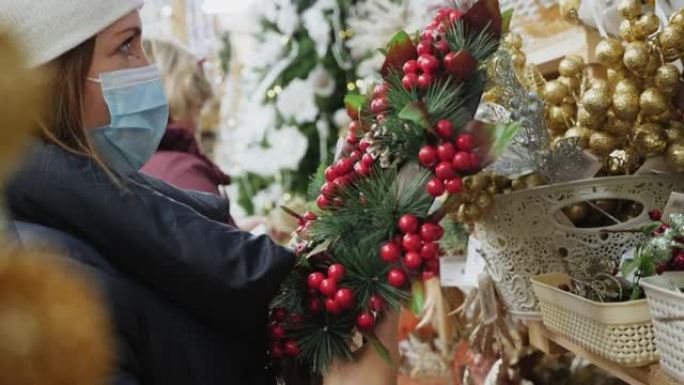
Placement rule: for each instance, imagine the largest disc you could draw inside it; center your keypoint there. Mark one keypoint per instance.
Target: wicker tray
(620, 332)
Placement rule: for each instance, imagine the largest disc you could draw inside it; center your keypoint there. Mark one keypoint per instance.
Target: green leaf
(417, 297)
(650, 228)
(399, 50)
(415, 112)
(380, 349)
(647, 267)
(506, 18)
(503, 135)
(628, 266)
(354, 103)
(636, 293)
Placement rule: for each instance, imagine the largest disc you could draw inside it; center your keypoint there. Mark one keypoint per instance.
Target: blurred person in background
(188, 293)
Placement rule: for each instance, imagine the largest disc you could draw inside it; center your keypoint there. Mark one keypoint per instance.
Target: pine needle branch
(399, 96)
(444, 99)
(481, 46)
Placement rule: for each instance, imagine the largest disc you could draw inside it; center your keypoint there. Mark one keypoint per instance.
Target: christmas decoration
(633, 115)
(375, 235)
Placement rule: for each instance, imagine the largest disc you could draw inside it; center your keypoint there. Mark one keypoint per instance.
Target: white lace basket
(667, 309)
(521, 238)
(621, 332)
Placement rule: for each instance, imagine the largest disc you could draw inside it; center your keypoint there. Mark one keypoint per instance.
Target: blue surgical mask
(139, 113)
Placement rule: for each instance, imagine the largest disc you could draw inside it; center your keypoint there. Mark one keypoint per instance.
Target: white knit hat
(48, 28)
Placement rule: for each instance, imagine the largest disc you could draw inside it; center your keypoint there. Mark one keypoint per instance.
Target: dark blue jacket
(189, 295)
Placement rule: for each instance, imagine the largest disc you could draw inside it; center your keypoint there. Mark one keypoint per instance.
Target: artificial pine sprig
(481, 46)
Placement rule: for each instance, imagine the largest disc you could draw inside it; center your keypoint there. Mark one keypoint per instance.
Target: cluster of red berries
(336, 300)
(380, 101)
(415, 247)
(676, 263)
(449, 160)
(357, 164)
(423, 71)
(280, 346)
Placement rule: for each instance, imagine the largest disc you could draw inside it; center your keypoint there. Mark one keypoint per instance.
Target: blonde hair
(187, 86)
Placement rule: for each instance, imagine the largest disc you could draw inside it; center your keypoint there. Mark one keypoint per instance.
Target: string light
(271, 94)
(278, 89)
(351, 86)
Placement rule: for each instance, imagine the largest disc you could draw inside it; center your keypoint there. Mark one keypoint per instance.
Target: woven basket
(621, 332)
(667, 309)
(521, 238)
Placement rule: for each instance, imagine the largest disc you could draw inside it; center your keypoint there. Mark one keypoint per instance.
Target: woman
(206, 285)
(179, 160)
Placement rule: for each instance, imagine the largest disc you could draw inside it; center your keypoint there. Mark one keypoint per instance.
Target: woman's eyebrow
(136, 30)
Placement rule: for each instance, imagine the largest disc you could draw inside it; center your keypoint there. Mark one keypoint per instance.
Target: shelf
(553, 343)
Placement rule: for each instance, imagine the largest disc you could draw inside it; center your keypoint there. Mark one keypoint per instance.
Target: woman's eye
(127, 47)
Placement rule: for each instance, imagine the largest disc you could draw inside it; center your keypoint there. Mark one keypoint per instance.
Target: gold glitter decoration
(519, 59)
(609, 52)
(647, 24)
(650, 139)
(557, 119)
(663, 118)
(652, 102)
(596, 100)
(616, 75)
(626, 105)
(672, 36)
(675, 131)
(514, 40)
(629, 9)
(571, 66)
(577, 212)
(621, 162)
(675, 156)
(579, 132)
(602, 143)
(568, 10)
(636, 57)
(627, 86)
(572, 83)
(555, 92)
(667, 79)
(617, 127)
(626, 31)
(677, 19)
(588, 120)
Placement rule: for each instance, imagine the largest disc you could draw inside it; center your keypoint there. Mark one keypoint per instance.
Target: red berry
(345, 298)
(443, 46)
(328, 189)
(279, 314)
(455, 15)
(352, 139)
(396, 277)
(277, 332)
(356, 155)
(410, 67)
(390, 252)
(328, 287)
(428, 63)
(474, 161)
(380, 90)
(412, 260)
(428, 34)
(315, 305)
(376, 302)
(460, 65)
(408, 224)
(430, 232)
(410, 81)
(397, 239)
(427, 156)
(424, 48)
(296, 318)
(277, 351)
(446, 151)
(465, 142)
(309, 216)
(336, 271)
(428, 274)
(365, 320)
(330, 174)
(661, 268)
(344, 166)
(461, 161)
(454, 186)
(367, 160)
(655, 215)
(445, 129)
(333, 307)
(379, 105)
(435, 187)
(323, 202)
(363, 145)
(444, 170)
(424, 80)
(412, 242)
(362, 169)
(291, 348)
(429, 251)
(314, 280)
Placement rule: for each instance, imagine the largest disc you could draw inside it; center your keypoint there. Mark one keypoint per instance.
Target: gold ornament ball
(570, 66)
(627, 32)
(626, 86)
(535, 180)
(602, 143)
(596, 100)
(622, 162)
(672, 36)
(582, 133)
(589, 120)
(675, 131)
(484, 201)
(557, 119)
(668, 79)
(519, 59)
(514, 40)
(629, 9)
(663, 118)
(615, 75)
(572, 83)
(617, 127)
(609, 52)
(577, 212)
(568, 10)
(650, 141)
(677, 19)
(647, 24)
(555, 92)
(675, 156)
(636, 57)
(599, 84)
(652, 102)
(626, 105)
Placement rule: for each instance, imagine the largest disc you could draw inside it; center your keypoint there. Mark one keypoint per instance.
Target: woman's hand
(370, 367)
